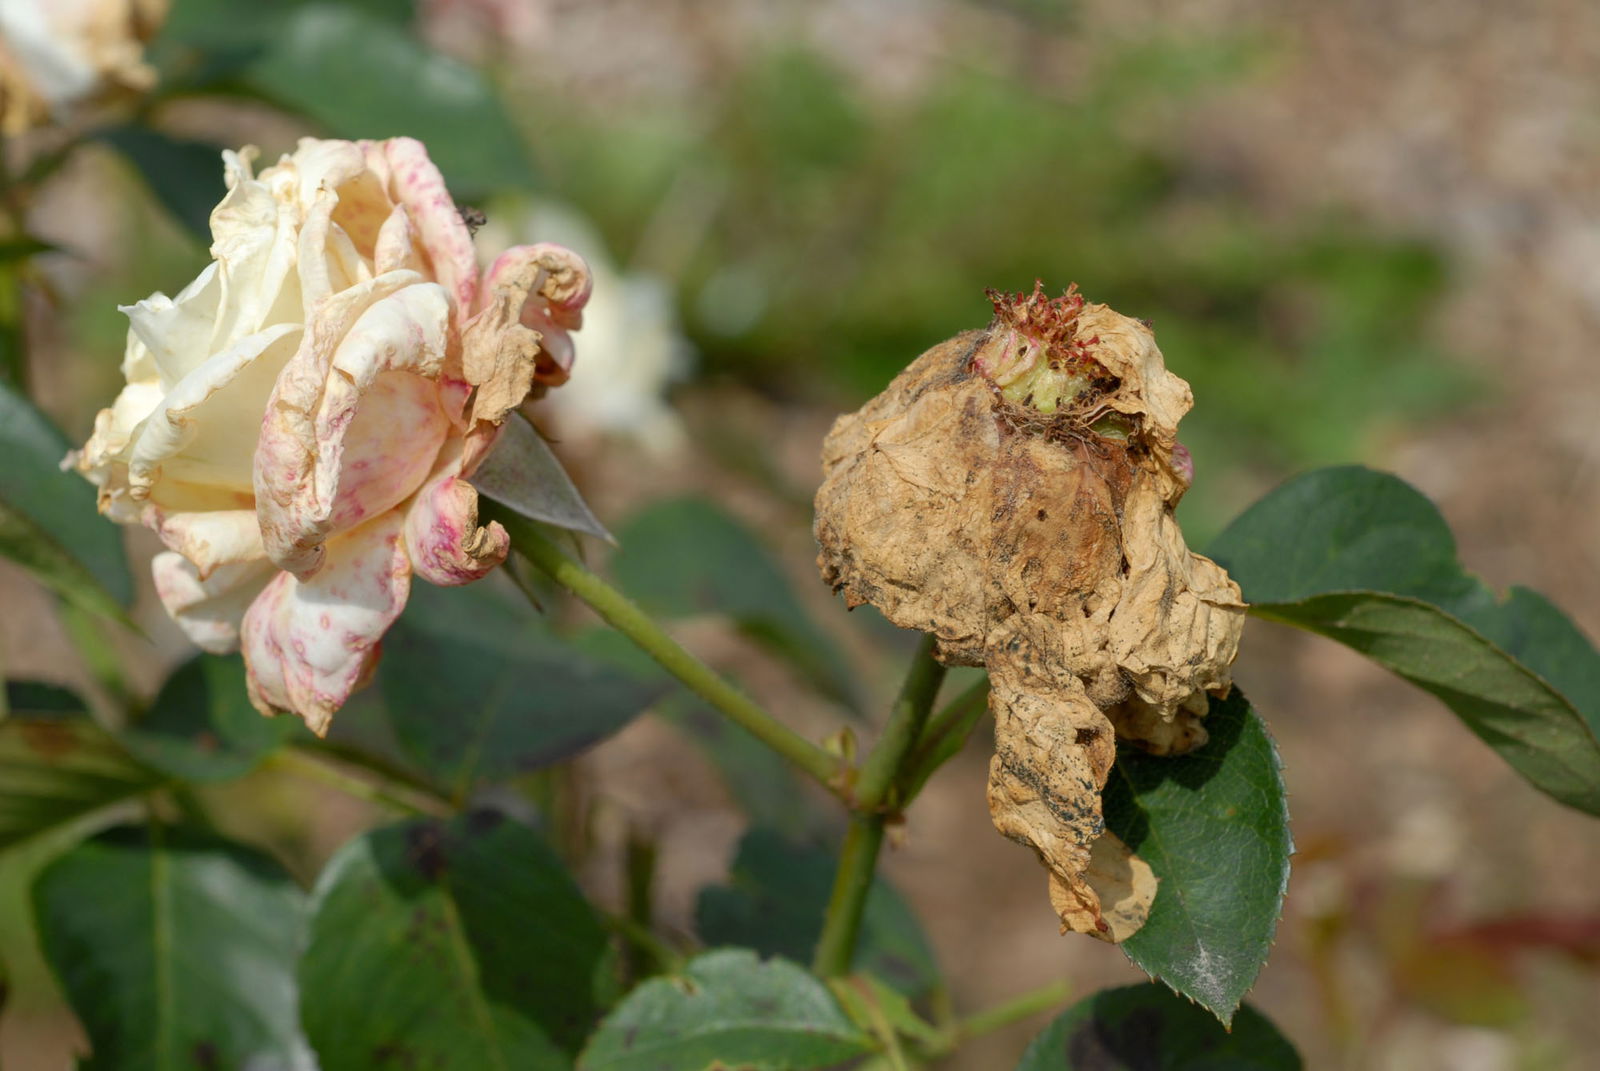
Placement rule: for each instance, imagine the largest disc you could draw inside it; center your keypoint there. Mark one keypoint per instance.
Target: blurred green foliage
(839, 236)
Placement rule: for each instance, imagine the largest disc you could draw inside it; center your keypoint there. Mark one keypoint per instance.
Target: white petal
(309, 643)
(205, 429)
(177, 331)
(208, 610)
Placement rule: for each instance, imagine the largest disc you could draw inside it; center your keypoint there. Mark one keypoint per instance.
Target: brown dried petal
(1027, 543)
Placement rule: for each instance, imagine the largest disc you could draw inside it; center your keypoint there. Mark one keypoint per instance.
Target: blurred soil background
(1363, 231)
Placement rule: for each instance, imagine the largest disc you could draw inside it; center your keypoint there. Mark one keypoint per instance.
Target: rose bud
(1011, 492)
(300, 420)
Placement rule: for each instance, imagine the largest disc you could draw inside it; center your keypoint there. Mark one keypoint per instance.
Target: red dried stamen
(1051, 323)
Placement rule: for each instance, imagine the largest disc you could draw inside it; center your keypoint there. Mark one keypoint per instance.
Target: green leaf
(523, 473)
(686, 557)
(477, 686)
(202, 727)
(48, 521)
(184, 175)
(1363, 558)
(56, 768)
(1149, 1028)
(728, 1009)
(216, 23)
(175, 950)
(1214, 826)
(460, 944)
(775, 902)
(15, 249)
(362, 76)
(36, 699)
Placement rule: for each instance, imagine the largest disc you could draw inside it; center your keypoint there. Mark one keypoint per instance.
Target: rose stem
(858, 859)
(622, 614)
(944, 736)
(1001, 1015)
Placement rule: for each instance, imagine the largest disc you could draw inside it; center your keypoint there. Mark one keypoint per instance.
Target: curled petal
(316, 418)
(529, 299)
(445, 238)
(174, 334)
(210, 539)
(442, 535)
(308, 644)
(208, 609)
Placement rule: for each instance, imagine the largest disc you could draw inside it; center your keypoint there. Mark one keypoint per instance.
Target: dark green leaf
(523, 473)
(202, 727)
(728, 1009)
(175, 950)
(460, 944)
(775, 901)
(362, 76)
(214, 23)
(1363, 558)
(758, 778)
(477, 686)
(686, 557)
(1214, 826)
(184, 175)
(1149, 1028)
(56, 768)
(15, 249)
(48, 520)
(36, 699)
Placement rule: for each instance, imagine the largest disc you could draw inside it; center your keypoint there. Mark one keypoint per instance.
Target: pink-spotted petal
(321, 399)
(416, 183)
(446, 545)
(210, 539)
(308, 644)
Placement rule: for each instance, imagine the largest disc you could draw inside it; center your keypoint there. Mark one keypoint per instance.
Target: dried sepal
(1011, 492)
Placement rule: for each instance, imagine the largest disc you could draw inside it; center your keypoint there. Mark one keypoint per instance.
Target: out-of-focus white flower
(633, 346)
(54, 53)
(299, 422)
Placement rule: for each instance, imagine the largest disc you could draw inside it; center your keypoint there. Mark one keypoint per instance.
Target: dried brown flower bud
(1011, 492)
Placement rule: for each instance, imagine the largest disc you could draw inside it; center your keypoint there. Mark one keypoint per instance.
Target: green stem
(943, 738)
(1001, 1015)
(858, 859)
(397, 797)
(906, 722)
(858, 862)
(623, 615)
(667, 960)
(1014, 1010)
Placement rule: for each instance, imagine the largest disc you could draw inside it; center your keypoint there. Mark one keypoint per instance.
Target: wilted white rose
(298, 422)
(54, 53)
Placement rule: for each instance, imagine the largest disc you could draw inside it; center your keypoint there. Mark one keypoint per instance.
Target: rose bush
(298, 421)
